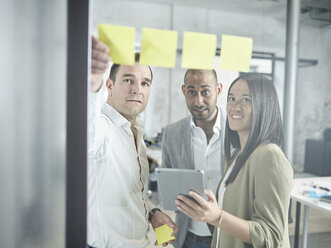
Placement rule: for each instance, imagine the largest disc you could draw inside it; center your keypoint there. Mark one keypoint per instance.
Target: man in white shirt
(195, 142)
(118, 209)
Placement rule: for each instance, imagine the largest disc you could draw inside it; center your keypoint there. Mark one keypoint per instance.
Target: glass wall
(33, 108)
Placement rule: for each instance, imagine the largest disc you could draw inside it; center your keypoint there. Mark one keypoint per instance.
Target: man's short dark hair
(114, 68)
(194, 71)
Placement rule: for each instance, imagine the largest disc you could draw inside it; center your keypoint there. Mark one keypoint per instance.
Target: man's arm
(99, 63)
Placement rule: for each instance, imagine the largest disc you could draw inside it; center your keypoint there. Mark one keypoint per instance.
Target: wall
(265, 24)
(313, 102)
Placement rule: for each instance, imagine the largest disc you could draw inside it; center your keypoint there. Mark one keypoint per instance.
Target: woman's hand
(202, 210)
(208, 211)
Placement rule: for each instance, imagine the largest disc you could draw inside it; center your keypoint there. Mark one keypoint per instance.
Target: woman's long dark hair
(266, 126)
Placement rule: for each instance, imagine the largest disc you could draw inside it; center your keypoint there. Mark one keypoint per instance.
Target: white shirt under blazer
(177, 152)
(207, 157)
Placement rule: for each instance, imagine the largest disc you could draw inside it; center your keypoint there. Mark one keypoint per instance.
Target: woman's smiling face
(239, 108)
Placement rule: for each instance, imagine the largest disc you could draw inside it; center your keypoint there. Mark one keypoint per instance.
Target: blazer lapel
(187, 144)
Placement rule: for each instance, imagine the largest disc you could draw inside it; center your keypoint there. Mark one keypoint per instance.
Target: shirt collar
(119, 119)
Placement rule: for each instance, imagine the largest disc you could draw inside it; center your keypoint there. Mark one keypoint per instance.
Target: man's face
(130, 91)
(201, 91)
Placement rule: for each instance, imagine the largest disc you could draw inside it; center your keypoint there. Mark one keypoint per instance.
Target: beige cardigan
(260, 194)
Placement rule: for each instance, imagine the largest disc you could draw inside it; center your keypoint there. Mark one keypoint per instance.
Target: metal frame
(76, 158)
(267, 56)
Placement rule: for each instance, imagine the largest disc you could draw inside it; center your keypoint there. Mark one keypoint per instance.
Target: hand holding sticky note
(163, 234)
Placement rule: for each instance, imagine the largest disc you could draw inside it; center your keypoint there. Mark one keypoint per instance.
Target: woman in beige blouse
(251, 209)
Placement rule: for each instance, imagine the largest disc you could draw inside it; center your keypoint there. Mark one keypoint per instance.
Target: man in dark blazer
(196, 142)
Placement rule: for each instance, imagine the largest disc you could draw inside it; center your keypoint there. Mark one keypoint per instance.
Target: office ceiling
(317, 12)
(249, 6)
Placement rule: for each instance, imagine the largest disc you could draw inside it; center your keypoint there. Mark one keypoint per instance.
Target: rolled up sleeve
(272, 189)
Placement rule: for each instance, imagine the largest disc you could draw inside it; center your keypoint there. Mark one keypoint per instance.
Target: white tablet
(172, 182)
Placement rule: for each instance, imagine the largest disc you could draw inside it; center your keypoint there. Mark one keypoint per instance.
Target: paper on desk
(154, 153)
(158, 47)
(236, 53)
(199, 50)
(120, 40)
(314, 193)
(163, 234)
(325, 184)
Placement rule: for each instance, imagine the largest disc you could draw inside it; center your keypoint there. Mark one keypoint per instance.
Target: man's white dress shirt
(117, 180)
(207, 157)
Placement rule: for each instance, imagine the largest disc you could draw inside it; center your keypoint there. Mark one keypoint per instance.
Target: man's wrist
(96, 83)
(152, 212)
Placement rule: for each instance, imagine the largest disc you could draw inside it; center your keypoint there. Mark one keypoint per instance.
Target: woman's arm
(272, 189)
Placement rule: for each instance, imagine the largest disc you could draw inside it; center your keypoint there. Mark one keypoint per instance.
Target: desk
(299, 186)
(155, 155)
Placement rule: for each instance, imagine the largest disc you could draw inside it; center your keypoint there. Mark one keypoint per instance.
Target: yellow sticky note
(199, 50)
(158, 47)
(236, 53)
(163, 234)
(120, 40)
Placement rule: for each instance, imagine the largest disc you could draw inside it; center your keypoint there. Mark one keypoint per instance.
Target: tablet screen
(172, 182)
